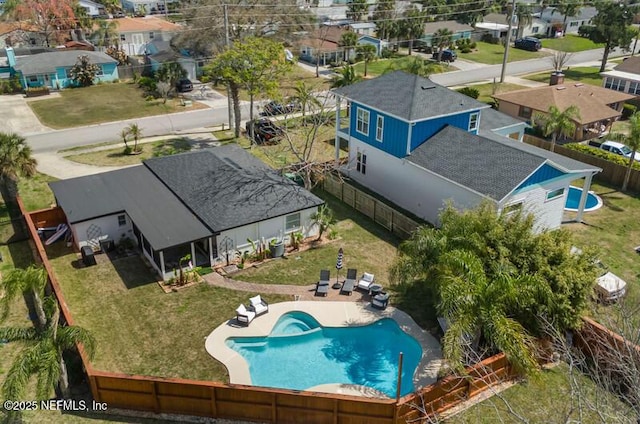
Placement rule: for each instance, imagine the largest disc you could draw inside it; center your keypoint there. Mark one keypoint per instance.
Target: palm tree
(348, 40)
(524, 13)
(346, 76)
(567, 8)
(42, 355)
(441, 39)
(305, 97)
(15, 160)
(368, 53)
(417, 66)
(413, 25)
(125, 137)
(559, 123)
(323, 218)
(31, 280)
(632, 139)
(106, 34)
(136, 132)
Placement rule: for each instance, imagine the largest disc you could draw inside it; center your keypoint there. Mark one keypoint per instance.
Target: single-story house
(136, 33)
(419, 145)
(208, 204)
(321, 45)
(501, 25)
(92, 8)
(555, 20)
(50, 69)
(598, 107)
(625, 77)
(376, 42)
(363, 28)
(459, 30)
(17, 34)
(159, 52)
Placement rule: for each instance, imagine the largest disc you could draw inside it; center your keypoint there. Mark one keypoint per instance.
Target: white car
(619, 149)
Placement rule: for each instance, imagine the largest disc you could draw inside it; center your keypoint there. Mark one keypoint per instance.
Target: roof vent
(560, 87)
(579, 84)
(429, 87)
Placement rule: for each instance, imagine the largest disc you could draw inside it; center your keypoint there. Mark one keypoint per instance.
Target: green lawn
(101, 103)
(584, 74)
(570, 43)
(492, 54)
(35, 192)
(487, 90)
(548, 398)
(381, 66)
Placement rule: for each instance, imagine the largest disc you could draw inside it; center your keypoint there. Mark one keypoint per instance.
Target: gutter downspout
(410, 133)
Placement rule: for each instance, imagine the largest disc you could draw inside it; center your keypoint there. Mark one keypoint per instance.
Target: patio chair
(258, 305)
(322, 287)
(366, 281)
(349, 282)
(380, 301)
(244, 316)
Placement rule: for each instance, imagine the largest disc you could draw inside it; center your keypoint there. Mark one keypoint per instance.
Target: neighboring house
(136, 33)
(188, 64)
(555, 20)
(321, 45)
(208, 204)
(625, 77)
(148, 6)
(459, 30)
(51, 69)
(363, 28)
(598, 107)
(92, 9)
(15, 34)
(501, 24)
(419, 145)
(376, 42)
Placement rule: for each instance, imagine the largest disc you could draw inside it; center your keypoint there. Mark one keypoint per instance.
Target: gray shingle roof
(227, 187)
(409, 97)
(159, 215)
(491, 119)
(48, 62)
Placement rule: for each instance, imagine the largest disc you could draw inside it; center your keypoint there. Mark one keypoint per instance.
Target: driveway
(17, 116)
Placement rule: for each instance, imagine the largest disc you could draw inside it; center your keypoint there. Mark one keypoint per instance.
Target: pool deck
(328, 314)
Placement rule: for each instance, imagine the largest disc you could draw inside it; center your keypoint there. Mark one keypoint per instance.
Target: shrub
(628, 110)
(386, 53)
(603, 154)
(205, 79)
(149, 98)
(488, 38)
(127, 151)
(473, 45)
(147, 83)
(470, 91)
(465, 49)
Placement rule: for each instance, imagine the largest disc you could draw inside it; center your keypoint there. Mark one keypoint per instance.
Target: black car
(528, 43)
(264, 131)
(447, 56)
(184, 85)
(274, 108)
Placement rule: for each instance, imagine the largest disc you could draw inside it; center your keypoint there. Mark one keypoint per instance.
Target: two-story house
(419, 144)
(135, 33)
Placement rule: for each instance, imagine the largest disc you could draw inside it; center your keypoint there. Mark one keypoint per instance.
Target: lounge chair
(322, 288)
(244, 316)
(366, 281)
(349, 282)
(258, 305)
(380, 301)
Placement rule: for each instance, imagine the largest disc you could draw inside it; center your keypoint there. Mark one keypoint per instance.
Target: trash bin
(87, 256)
(277, 249)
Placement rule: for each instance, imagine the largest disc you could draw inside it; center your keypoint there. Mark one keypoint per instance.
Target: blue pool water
(573, 200)
(300, 354)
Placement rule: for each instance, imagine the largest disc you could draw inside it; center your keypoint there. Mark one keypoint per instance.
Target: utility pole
(508, 43)
(228, 44)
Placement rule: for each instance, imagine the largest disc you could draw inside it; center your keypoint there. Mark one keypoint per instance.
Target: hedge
(602, 154)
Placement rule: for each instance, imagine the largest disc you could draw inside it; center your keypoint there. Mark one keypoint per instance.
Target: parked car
(264, 131)
(118, 14)
(528, 43)
(274, 108)
(619, 149)
(184, 85)
(447, 55)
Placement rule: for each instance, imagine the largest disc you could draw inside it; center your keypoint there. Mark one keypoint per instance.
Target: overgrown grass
(584, 74)
(570, 43)
(35, 192)
(492, 54)
(139, 329)
(381, 66)
(549, 399)
(367, 247)
(117, 157)
(101, 103)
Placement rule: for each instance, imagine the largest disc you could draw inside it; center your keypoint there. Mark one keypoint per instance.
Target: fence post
(214, 407)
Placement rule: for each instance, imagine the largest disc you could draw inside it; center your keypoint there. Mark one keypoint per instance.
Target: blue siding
(109, 71)
(425, 129)
(394, 136)
(544, 173)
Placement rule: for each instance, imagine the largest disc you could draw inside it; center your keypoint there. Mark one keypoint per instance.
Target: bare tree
(559, 60)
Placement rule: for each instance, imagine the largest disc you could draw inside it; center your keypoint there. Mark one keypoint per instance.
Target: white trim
(477, 126)
(379, 121)
(358, 109)
(546, 194)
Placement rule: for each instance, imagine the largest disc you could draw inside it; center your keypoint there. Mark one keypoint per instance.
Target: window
(473, 121)
(151, 36)
(123, 37)
(634, 87)
(292, 222)
(379, 128)
(362, 121)
(361, 163)
(554, 194)
(122, 220)
(33, 78)
(574, 24)
(511, 208)
(99, 71)
(614, 84)
(524, 112)
(535, 29)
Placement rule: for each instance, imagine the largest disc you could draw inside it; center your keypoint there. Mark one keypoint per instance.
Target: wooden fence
(383, 214)
(612, 173)
(231, 401)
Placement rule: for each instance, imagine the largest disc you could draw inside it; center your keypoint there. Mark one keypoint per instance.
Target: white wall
(410, 187)
(108, 226)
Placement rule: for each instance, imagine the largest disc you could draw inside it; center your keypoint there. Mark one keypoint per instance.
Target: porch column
(583, 196)
(337, 141)
(211, 251)
(193, 254)
(162, 263)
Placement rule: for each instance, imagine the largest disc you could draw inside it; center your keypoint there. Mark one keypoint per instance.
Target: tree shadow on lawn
(134, 272)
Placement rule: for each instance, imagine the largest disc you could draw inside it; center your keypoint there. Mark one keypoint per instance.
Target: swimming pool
(573, 200)
(299, 354)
